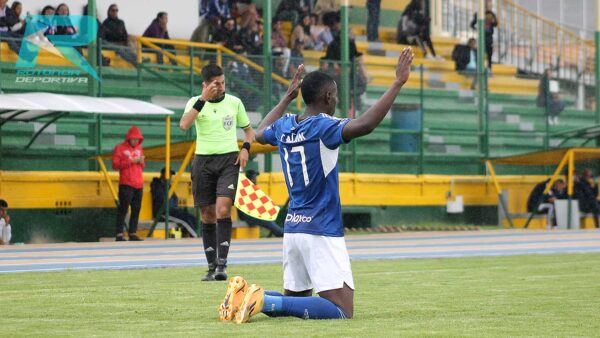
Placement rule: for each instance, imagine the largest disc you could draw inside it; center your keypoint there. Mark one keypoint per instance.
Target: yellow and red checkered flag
(251, 200)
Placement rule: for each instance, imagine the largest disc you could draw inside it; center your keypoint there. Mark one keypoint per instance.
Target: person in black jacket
(544, 203)
(465, 60)
(8, 19)
(586, 191)
(413, 28)
(489, 24)
(227, 36)
(114, 35)
(334, 53)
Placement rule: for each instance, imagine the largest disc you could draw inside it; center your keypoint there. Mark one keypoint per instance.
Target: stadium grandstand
(538, 94)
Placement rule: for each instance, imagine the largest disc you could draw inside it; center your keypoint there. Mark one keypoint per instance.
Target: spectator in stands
(204, 29)
(8, 19)
(413, 28)
(465, 60)
(333, 56)
(63, 22)
(48, 11)
(100, 57)
(158, 29)
(114, 35)
(158, 191)
(218, 11)
(296, 57)
(325, 35)
(490, 23)
(544, 203)
(250, 40)
(549, 97)
(269, 225)
(277, 37)
(19, 27)
(246, 11)
(227, 36)
(373, 8)
(291, 10)
(280, 47)
(586, 191)
(302, 32)
(5, 227)
(128, 158)
(322, 7)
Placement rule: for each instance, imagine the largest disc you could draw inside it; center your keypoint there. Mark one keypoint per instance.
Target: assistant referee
(217, 163)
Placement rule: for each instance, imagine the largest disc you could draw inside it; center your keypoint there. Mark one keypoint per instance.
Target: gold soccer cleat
(252, 304)
(233, 298)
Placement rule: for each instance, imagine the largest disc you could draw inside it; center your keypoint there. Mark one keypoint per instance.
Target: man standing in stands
(490, 23)
(128, 158)
(216, 165)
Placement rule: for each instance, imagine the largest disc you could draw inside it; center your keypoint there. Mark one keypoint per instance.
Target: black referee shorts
(214, 176)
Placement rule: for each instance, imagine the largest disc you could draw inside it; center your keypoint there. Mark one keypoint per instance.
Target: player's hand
(403, 67)
(210, 91)
(7, 219)
(292, 91)
(242, 158)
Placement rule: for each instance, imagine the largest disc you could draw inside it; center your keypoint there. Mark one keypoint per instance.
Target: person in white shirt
(5, 229)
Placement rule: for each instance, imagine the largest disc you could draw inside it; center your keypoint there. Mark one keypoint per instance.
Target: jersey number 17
(297, 149)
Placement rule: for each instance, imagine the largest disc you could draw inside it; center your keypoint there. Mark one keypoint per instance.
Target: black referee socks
(209, 239)
(223, 237)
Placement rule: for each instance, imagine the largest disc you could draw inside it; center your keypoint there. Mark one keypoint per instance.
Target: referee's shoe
(220, 272)
(210, 274)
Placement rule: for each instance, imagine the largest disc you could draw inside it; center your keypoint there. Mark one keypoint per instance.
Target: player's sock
(209, 239)
(301, 307)
(223, 237)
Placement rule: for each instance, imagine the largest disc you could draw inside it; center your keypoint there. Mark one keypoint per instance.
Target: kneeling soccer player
(314, 250)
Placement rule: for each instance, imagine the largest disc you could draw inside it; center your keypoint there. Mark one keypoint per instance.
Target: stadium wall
(77, 206)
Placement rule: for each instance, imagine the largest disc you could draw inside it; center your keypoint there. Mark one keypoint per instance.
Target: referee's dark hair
(314, 84)
(3, 204)
(210, 71)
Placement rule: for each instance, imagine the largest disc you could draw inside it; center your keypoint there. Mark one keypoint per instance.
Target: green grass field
(535, 295)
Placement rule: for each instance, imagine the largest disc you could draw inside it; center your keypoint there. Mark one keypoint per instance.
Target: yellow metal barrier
(32, 190)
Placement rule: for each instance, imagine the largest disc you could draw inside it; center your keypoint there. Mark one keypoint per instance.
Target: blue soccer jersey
(309, 154)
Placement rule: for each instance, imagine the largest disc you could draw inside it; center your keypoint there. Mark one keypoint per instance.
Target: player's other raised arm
(371, 118)
(281, 107)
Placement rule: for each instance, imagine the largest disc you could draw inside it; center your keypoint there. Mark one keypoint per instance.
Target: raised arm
(208, 93)
(372, 117)
(281, 107)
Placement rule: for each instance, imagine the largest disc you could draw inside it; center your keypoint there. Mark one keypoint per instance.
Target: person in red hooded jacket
(128, 158)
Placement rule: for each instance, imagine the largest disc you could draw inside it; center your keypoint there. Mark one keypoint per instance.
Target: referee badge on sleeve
(227, 122)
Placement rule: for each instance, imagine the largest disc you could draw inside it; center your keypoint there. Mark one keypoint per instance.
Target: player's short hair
(3, 204)
(313, 85)
(210, 71)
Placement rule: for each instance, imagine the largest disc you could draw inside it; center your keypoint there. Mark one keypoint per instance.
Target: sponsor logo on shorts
(293, 218)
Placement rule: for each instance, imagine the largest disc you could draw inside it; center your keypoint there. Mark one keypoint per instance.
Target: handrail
(151, 42)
